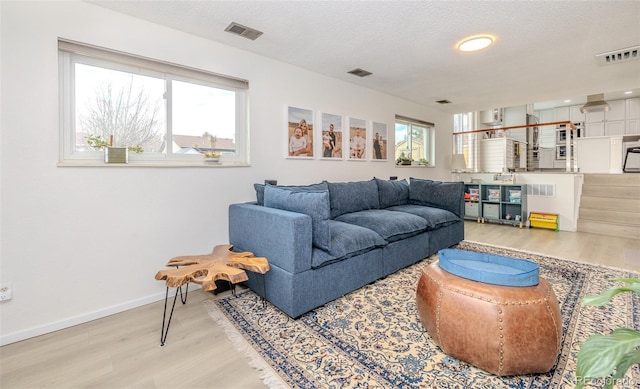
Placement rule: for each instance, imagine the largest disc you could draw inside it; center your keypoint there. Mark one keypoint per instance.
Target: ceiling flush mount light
(475, 43)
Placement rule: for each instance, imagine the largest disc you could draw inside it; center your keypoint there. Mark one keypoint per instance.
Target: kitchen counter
(602, 154)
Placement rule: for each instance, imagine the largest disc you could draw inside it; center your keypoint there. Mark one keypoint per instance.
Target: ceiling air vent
(243, 31)
(443, 101)
(617, 56)
(359, 72)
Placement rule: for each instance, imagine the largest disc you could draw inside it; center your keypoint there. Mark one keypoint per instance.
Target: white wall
(81, 243)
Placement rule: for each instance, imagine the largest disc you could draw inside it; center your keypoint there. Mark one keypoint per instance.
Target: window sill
(152, 164)
(418, 166)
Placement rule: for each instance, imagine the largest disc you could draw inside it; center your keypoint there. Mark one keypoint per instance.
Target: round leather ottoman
(505, 330)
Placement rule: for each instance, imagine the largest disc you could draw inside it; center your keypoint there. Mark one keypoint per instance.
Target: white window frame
(71, 52)
(467, 144)
(429, 149)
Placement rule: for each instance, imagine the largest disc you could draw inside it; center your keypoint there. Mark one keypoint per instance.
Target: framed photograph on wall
(379, 144)
(299, 133)
(357, 139)
(331, 136)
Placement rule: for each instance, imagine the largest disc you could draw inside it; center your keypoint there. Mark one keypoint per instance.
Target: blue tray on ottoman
(489, 268)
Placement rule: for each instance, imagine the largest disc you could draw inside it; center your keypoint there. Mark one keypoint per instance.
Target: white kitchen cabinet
(561, 114)
(608, 123)
(547, 134)
(575, 115)
(594, 117)
(612, 128)
(617, 111)
(633, 127)
(594, 129)
(633, 108)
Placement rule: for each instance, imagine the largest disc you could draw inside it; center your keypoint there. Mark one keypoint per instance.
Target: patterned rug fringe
(266, 374)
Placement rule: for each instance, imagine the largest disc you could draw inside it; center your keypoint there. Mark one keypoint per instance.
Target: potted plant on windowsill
(112, 154)
(404, 159)
(211, 155)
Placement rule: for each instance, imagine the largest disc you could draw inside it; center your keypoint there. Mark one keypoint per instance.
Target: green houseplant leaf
(609, 356)
(601, 354)
(631, 285)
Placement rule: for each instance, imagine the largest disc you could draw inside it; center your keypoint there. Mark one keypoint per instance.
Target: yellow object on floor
(544, 220)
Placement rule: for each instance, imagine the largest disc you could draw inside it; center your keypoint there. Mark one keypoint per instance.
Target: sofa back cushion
(314, 204)
(392, 193)
(356, 196)
(298, 188)
(444, 195)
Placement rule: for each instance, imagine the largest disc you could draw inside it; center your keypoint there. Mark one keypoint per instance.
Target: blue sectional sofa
(325, 240)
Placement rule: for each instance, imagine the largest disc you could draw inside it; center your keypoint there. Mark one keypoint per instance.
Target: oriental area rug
(373, 337)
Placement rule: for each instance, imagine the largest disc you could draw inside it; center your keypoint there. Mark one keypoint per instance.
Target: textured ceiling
(544, 49)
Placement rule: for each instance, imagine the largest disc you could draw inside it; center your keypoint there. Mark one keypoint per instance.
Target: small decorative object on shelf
(515, 196)
(494, 195)
(474, 194)
(505, 178)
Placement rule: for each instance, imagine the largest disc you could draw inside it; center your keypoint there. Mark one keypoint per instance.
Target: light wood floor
(123, 350)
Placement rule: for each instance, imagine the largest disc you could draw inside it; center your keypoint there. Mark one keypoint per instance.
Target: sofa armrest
(444, 195)
(283, 237)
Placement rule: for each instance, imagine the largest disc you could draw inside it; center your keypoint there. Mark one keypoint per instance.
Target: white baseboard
(72, 321)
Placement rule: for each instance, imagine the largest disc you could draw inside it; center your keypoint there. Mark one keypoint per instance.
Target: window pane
(127, 106)
(418, 142)
(200, 109)
(403, 144)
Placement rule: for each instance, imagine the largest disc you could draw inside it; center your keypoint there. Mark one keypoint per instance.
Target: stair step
(610, 205)
(612, 179)
(625, 205)
(611, 191)
(611, 216)
(594, 227)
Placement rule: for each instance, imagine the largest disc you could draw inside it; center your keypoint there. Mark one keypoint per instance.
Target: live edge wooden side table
(221, 264)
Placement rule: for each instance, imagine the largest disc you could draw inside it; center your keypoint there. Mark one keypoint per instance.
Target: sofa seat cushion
(356, 196)
(314, 204)
(390, 225)
(347, 240)
(435, 217)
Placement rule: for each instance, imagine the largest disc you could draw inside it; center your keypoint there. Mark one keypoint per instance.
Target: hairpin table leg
(164, 332)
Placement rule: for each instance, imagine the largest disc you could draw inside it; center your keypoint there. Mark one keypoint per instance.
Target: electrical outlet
(6, 292)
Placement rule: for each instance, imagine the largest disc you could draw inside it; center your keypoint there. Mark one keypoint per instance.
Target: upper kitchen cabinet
(561, 114)
(547, 138)
(575, 115)
(607, 123)
(633, 116)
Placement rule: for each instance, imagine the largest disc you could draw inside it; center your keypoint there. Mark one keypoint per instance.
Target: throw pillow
(314, 204)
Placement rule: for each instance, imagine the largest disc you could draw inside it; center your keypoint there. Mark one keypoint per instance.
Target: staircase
(610, 205)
